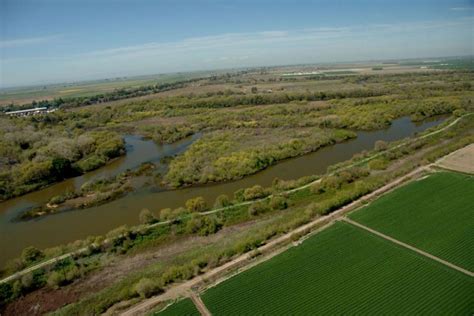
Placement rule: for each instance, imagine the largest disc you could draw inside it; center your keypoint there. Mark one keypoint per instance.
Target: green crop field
(184, 307)
(435, 214)
(342, 270)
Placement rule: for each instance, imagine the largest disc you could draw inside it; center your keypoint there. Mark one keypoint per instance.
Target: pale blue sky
(46, 41)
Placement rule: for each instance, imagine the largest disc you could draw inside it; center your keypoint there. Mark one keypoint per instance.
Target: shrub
(56, 279)
(27, 281)
(120, 231)
(73, 273)
(197, 204)
(58, 199)
(254, 192)
(332, 183)
(380, 145)
(165, 214)
(202, 225)
(239, 195)
(146, 216)
(15, 265)
(258, 208)
(378, 164)
(17, 289)
(91, 163)
(278, 203)
(222, 201)
(6, 293)
(146, 287)
(31, 255)
(313, 210)
(316, 188)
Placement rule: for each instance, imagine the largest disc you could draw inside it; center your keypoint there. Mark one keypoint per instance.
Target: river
(69, 226)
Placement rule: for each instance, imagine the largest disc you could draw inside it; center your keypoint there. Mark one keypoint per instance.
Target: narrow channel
(69, 226)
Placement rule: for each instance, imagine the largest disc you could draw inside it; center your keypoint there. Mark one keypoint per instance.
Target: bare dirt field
(461, 160)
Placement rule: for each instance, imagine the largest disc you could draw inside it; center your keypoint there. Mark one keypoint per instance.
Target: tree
(165, 214)
(222, 201)
(202, 225)
(27, 281)
(61, 168)
(258, 208)
(146, 216)
(255, 192)
(6, 293)
(380, 145)
(278, 203)
(31, 254)
(56, 279)
(146, 287)
(254, 90)
(197, 204)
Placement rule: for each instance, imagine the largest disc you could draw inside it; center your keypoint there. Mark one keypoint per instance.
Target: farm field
(433, 214)
(24, 95)
(341, 270)
(184, 307)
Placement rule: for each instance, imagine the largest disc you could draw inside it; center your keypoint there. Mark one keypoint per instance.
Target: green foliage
(202, 225)
(31, 255)
(378, 164)
(197, 204)
(147, 287)
(255, 192)
(90, 163)
(37, 155)
(222, 201)
(278, 203)
(146, 216)
(258, 208)
(6, 293)
(56, 279)
(380, 145)
(169, 214)
(229, 155)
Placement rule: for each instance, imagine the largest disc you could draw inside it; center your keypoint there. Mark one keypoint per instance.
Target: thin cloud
(20, 42)
(461, 8)
(257, 39)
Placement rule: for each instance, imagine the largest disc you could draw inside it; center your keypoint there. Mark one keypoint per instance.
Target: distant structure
(28, 112)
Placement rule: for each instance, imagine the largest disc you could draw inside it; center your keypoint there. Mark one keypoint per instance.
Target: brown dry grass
(461, 160)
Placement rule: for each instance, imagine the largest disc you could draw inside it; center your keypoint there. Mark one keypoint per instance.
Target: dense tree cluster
(34, 155)
(227, 155)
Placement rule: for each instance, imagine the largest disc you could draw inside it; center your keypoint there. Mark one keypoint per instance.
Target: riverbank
(432, 145)
(93, 193)
(98, 219)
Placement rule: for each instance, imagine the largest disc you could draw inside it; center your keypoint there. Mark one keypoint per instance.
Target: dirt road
(201, 307)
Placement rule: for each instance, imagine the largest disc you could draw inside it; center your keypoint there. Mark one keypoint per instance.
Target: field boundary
(84, 249)
(407, 246)
(200, 306)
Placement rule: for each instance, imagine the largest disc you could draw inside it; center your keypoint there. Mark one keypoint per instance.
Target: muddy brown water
(69, 226)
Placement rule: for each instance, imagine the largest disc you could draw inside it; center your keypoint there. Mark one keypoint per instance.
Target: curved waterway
(69, 226)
